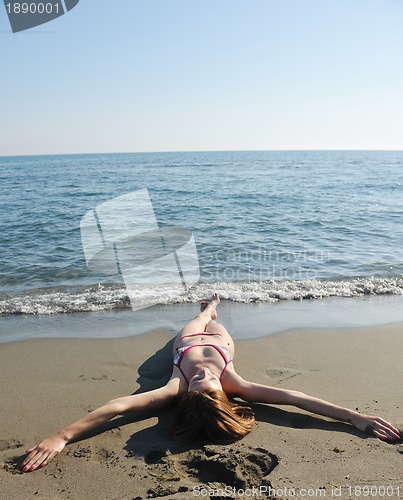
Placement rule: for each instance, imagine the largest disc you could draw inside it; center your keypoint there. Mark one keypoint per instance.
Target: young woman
(203, 375)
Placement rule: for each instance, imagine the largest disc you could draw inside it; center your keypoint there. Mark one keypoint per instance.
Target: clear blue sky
(173, 75)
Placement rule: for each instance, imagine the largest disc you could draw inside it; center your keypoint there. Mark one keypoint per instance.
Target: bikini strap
(205, 334)
(181, 355)
(224, 357)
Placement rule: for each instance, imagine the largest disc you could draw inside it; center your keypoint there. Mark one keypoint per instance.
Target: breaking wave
(106, 297)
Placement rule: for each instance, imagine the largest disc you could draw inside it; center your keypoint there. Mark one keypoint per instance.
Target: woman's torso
(205, 351)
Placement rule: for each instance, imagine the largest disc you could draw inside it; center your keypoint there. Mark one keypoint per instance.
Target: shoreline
(243, 320)
(48, 383)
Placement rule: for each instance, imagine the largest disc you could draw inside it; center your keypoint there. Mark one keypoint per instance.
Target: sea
(267, 226)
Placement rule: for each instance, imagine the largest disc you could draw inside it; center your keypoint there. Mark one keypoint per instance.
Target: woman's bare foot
(211, 306)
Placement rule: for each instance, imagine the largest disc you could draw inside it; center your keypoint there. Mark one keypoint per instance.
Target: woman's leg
(214, 327)
(206, 315)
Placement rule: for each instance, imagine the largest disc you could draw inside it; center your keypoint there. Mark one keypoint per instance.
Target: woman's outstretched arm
(258, 393)
(41, 454)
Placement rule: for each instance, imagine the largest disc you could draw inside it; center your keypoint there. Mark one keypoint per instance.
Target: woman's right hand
(41, 454)
(376, 426)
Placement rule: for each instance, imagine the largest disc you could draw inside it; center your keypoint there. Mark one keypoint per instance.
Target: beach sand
(46, 384)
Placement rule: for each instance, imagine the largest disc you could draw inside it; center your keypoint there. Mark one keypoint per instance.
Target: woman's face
(204, 380)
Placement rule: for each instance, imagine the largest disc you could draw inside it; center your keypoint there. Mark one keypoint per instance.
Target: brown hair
(209, 416)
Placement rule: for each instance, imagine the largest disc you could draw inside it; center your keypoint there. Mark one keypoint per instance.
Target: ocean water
(268, 226)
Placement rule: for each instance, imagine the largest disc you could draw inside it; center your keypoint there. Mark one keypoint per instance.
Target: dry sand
(47, 384)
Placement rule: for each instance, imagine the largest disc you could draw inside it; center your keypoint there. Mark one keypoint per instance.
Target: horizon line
(200, 151)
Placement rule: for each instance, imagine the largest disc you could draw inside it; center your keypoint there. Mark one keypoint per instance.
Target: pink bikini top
(182, 351)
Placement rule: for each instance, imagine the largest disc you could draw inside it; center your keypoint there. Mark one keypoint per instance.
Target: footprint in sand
(238, 467)
(281, 374)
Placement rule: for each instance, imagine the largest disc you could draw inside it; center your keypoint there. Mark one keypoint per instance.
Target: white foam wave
(108, 297)
(273, 291)
(92, 299)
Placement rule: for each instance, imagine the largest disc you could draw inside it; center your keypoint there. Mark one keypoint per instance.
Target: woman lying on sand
(202, 376)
